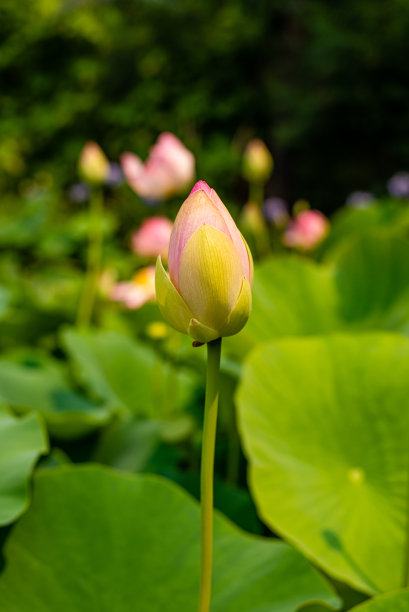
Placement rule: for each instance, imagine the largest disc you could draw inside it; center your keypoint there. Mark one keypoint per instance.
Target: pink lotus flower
(307, 230)
(169, 169)
(207, 293)
(152, 238)
(135, 293)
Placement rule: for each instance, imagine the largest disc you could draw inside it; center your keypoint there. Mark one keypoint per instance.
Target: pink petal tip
(202, 186)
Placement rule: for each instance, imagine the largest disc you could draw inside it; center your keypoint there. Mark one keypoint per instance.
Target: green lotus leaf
(32, 381)
(392, 602)
(325, 425)
(22, 441)
(128, 375)
(96, 539)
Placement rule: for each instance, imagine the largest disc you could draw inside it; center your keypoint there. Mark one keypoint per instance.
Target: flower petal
(241, 311)
(197, 209)
(210, 276)
(235, 234)
(251, 264)
(201, 332)
(171, 304)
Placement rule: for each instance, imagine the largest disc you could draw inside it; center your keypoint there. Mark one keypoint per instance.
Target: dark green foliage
(323, 83)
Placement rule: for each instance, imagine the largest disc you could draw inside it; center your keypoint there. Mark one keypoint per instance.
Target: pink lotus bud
(135, 293)
(152, 238)
(93, 165)
(307, 230)
(257, 162)
(207, 293)
(169, 169)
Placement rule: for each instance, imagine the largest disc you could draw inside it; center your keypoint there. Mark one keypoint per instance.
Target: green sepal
(201, 332)
(240, 313)
(170, 302)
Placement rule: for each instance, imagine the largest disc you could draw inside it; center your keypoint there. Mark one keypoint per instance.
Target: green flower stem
(89, 291)
(206, 472)
(256, 192)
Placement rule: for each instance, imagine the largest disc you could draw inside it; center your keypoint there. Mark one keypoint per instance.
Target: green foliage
(364, 284)
(134, 542)
(22, 441)
(32, 381)
(325, 428)
(394, 602)
(301, 75)
(127, 375)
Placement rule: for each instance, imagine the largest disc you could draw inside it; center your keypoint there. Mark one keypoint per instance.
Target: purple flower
(79, 192)
(360, 199)
(276, 211)
(115, 176)
(398, 185)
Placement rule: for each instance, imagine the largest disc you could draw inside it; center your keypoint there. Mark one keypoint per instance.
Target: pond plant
(207, 295)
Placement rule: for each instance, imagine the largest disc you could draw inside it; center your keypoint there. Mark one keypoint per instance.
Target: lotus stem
(207, 471)
(94, 254)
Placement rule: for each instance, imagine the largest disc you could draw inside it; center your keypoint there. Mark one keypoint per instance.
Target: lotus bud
(307, 230)
(93, 166)
(251, 219)
(258, 162)
(207, 292)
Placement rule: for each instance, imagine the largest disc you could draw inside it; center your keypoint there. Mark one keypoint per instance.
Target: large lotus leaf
(22, 441)
(389, 216)
(31, 381)
(95, 539)
(363, 285)
(325, 425)
(129, 375)
(372, 279)
(392, 602)
(291, 296)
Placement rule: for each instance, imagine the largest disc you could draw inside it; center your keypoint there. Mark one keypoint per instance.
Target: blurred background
(325, 85)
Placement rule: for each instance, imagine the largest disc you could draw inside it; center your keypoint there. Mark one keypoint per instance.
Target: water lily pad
(363, 286)
(22, 441)
(392, 602)
(325, 425)
(291, 296)
(128, 375)
(95, 539)
(363, 303)
(32, 381)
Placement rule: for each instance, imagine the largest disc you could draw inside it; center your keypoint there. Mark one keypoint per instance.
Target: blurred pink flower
(169, 169)
(135, 293)
(152, 238)
(307, 230)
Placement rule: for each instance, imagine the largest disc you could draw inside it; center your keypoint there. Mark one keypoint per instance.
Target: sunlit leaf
(325, 425)
(30, 381)
(95, 539)
(22, 441)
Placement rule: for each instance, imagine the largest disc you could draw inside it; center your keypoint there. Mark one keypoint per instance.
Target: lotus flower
(152, 238)
(307, 230)
(135, 293)
(93, 166)
(257, 162)
(169, 169)
(207, 293)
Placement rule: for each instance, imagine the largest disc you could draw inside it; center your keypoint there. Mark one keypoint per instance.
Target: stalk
(207, 470)
(94, 254)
